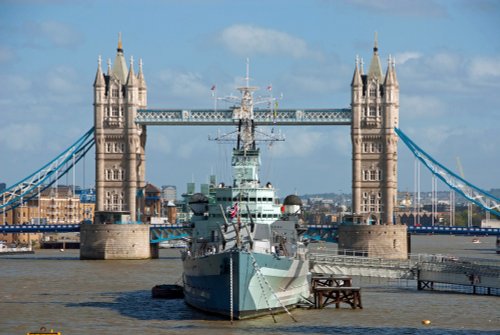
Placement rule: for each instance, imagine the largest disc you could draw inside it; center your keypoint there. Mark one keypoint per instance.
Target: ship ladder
(262, 278)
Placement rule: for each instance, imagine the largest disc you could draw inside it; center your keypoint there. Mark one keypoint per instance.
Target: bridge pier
(115, 241)
(379, 241)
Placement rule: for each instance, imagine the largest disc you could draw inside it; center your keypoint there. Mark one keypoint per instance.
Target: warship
(246, 256)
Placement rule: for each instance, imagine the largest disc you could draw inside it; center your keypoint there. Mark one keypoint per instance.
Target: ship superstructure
(246, 257)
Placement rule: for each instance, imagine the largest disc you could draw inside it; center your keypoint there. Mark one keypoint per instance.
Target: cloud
(403, 57)
(21, 137)
(420, 106)
(424, 8)
(249, 40)
(53, 33)
(14, 84)
(448, 72)
(184, 84)
(484, 68)
(302, 144)
(161, 144)
(60, 34)
(62, 79)
(6, 54)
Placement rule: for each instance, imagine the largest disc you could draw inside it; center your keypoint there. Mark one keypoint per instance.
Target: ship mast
(246, 127)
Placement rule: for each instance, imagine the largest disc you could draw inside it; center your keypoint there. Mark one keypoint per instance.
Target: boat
(172, 244)
(247, 256)
(167, 291)
(13, 249)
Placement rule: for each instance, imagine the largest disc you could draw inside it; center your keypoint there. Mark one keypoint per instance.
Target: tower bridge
(121, 118)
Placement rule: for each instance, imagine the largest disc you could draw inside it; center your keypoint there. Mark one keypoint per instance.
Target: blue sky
(447, 61)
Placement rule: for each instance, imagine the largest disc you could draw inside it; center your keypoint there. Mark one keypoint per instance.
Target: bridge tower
(375, 113)
(120, 164)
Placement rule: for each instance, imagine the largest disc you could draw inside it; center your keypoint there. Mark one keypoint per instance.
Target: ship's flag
(213, 88)
(270, 87)
(233, 211)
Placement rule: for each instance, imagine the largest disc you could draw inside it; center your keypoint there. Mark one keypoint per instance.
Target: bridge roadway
(320, 231)
(230, 117)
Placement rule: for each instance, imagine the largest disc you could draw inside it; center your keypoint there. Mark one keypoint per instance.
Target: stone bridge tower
(120, 164)
(375, 113)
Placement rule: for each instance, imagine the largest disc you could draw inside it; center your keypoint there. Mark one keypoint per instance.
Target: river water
(58, 291)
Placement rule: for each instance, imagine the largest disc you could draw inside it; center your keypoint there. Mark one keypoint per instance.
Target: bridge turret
(120, 165)
(375, 113)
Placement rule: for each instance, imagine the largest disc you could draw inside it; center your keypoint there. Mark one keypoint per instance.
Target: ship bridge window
(252, 199)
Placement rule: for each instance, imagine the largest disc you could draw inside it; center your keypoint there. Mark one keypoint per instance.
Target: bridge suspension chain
(40, 180)
(481, 198)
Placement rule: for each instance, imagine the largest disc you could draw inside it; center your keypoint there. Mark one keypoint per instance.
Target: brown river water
(56, 290)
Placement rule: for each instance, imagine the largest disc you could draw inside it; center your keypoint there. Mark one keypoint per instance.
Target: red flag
(233, 211)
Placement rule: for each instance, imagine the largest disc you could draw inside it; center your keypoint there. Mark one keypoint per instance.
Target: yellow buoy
(426, 322)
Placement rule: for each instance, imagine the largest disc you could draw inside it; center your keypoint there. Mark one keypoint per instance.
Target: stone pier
(115, 241)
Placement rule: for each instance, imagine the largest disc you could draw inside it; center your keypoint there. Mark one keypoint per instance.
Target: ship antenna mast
(247, 78)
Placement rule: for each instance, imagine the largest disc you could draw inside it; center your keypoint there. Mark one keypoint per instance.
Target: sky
(447, 61)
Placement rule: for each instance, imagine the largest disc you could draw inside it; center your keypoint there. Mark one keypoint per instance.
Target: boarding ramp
(469, 275)
(355, 263)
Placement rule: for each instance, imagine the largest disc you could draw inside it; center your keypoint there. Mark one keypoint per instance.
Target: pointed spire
(120, 65)
(131, 79)
(120, 45)
(395, 78)
(390, 76)
(109, 66)
(375, 70)
(140, 75)
(356, 78)
(99, 77)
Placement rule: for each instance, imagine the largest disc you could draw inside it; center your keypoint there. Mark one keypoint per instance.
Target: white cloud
(404, 57)
(302, 144)
(485, 68)
(62, 79)
(161, 143)
(420, 106)
(6, 54)
(448, 72)
(57, 33)
(14, 84)
(184, 84)
(249, 40)
(426, 8)
(25, 137)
